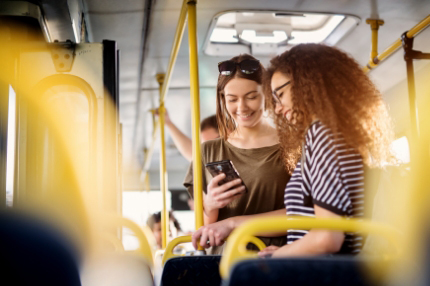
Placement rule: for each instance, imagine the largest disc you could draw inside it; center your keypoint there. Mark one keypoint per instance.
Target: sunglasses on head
(247, 66)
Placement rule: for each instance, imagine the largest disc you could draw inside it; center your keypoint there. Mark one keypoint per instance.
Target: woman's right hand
(167, 120)
(218, 197)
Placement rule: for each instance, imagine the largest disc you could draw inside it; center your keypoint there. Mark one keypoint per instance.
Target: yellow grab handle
(168, 253)
(236, 248)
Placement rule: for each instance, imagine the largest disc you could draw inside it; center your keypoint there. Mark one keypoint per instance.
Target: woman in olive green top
(251, 143)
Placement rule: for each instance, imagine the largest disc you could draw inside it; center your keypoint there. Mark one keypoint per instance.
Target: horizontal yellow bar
(235, 250)
(419, 27)
(397, 44)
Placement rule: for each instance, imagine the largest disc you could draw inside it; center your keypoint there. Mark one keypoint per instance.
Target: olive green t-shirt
(263, 172)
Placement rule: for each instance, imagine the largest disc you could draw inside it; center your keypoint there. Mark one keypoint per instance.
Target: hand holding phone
(224, 167)
(224, 187)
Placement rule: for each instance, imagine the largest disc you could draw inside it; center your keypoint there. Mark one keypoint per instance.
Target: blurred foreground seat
(34, 254)
(117, 269)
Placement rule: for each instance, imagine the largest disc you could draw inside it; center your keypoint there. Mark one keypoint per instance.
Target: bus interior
(86, 89)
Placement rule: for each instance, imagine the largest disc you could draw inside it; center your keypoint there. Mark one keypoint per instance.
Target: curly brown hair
(328, 84)
(226, 123)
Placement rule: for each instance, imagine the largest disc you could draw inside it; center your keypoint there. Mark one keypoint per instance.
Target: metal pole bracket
(374, 26)
(63, 55)
(410, 53)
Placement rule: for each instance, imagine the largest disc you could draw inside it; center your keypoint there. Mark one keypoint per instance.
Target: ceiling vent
(272, 32)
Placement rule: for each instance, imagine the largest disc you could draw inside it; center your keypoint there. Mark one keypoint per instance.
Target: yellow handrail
(195, 100)
(145, 248)
(257, 242)
(374, 26)
(114, 241)
(163, 168)
(168, 253)
(235, 250)
(165, 88)
(149, 153)
(397, 44)
(180, 28)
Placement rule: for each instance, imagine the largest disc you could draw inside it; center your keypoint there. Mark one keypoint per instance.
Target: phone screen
(226, 167)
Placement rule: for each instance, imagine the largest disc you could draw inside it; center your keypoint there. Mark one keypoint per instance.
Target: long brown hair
(329, 84)
(225, 121)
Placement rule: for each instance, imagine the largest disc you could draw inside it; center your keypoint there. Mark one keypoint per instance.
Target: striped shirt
(332, 178)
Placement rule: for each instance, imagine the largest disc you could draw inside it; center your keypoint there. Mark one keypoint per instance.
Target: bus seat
(372, 179)
(192, 270)
(390, 198)
(34, 254)
(322, 271)
(117, 269)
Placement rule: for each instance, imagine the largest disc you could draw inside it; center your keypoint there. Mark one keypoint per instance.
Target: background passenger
(154, 223)
(251, 143)
(208, 131)
(324, 102)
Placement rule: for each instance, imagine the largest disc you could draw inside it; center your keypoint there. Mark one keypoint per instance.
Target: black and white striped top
(332, 178)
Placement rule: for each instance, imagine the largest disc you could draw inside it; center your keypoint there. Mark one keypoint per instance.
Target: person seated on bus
(252, 145)
(328, 108)
(208, 131)
(154, 223)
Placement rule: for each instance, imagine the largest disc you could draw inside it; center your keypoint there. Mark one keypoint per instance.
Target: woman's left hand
(213, 234)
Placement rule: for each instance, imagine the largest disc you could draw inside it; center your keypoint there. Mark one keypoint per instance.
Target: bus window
(72, 102)
(139, 206)
(70, 105)
(10, 157)
(400, 149)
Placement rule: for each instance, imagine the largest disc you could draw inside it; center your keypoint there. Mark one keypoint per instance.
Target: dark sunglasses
(276, 98)
(247, 66)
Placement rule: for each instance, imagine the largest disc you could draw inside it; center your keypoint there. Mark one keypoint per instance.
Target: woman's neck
(261, 135)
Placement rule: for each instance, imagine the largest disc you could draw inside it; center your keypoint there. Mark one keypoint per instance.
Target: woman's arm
(316, 241)
(182, 142)
(215, 233)
(209, 215)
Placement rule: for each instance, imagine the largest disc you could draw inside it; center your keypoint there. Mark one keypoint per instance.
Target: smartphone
(226, 167)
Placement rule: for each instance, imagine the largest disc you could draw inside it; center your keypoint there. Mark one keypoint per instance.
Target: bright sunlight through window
(10, 159)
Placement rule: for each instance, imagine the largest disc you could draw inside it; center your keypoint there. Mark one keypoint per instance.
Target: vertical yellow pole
(163, 171)
(374, 26)
(195, 101)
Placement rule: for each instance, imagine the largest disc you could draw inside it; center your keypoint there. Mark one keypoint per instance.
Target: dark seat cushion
(321, 271)
(192, 270)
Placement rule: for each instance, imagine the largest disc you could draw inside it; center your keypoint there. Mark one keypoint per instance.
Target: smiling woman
(248, 140)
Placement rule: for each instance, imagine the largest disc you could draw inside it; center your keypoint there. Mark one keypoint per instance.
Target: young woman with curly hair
(332, 121)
